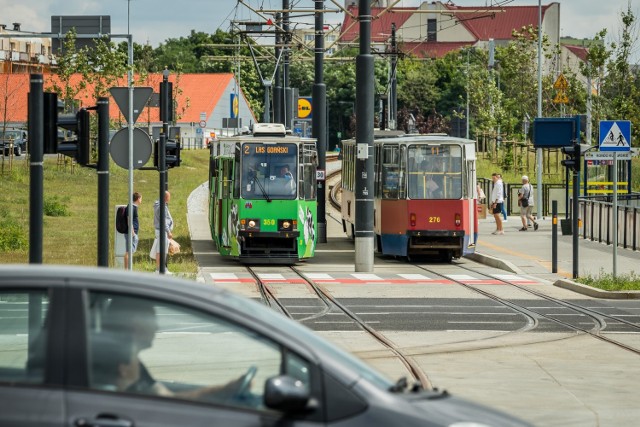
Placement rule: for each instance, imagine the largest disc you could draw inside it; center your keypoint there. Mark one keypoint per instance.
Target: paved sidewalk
(529, 252)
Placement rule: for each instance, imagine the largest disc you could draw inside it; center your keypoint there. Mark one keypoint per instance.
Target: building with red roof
(199, 98)
(436, 28)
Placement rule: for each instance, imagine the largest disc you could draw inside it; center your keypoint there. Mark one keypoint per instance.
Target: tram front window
(435, 172)
(269, 171)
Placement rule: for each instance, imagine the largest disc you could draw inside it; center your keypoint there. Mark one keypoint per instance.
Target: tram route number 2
(434, 219)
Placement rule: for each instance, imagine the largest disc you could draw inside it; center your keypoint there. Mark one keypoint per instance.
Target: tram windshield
(269, 171)
(435, 171)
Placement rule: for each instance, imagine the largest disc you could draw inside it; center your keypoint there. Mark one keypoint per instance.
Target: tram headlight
(287, 224)
(250, 224)
(458, 220)
(412, 219)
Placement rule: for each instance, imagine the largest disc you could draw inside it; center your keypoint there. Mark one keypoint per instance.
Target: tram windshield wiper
(262, 190)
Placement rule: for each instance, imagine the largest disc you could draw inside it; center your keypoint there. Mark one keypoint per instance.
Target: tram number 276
(434, 219)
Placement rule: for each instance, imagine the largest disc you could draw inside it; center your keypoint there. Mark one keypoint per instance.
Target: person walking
(497, 200)
(504, 200)
(137, 199)
(525, 201)
(167, 228)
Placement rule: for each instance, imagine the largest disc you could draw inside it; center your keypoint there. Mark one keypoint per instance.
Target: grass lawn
(606, 281)
(70, 237)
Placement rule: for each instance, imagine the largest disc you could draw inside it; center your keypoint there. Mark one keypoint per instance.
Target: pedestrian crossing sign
(615, 135)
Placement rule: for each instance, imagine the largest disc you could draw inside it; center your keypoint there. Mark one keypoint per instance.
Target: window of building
(432, 30)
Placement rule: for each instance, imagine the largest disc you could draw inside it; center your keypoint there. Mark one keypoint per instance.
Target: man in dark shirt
(137, 199)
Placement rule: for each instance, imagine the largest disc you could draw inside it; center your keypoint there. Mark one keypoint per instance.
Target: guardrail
(597, 220)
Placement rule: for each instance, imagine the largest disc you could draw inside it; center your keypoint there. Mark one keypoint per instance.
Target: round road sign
(119, 148)
(203, 123)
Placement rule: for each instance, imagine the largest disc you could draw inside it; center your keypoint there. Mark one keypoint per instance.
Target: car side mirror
(286, 394)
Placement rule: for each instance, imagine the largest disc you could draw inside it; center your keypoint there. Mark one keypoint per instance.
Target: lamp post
(539, 150)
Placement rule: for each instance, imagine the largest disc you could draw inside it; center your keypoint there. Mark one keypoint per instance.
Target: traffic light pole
(103, 182)
(364, 144)
(320, 118)
(162, 168)
(36, 173)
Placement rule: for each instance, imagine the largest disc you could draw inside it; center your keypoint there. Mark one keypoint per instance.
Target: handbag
(524, 201)
(174, 247)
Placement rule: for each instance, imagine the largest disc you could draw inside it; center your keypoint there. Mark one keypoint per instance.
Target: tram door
(225, 201)
(471, 196)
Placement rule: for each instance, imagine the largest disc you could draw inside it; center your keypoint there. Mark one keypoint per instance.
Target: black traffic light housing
(172, 150)
(79, 124)
(574, 157)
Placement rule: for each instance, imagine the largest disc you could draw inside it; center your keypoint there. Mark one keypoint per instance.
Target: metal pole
(575, 209)
(320, 118)
(130, 123)
(554, 236)
(393, 92)
(277, 89)
(162, 166)
(267, 101)
(589, 129)
(615, 213)
(467, 115)
(103, 182)
(364, 144)
(539, 150)
(288, 95)
(36, 173)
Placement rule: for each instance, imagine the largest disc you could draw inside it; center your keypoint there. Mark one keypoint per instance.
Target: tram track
(598, 318)
(329, 304)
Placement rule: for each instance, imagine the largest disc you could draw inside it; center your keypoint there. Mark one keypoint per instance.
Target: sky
(154, 21)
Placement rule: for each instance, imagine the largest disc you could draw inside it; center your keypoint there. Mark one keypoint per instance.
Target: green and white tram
(262, 199)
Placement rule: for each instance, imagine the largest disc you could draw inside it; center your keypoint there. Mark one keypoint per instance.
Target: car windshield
(270, 317)
(269, 171)
(9, 134)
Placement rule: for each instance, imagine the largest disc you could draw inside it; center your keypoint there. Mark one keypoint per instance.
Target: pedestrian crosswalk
(369, 278)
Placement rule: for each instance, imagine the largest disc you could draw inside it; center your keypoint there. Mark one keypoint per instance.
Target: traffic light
(79, 124)
(173, 154)
(574, 157)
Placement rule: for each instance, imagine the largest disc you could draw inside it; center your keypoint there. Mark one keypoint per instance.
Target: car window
(161, 349)
(22, 336)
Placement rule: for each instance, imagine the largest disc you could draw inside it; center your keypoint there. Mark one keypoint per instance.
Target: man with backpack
(137, 199)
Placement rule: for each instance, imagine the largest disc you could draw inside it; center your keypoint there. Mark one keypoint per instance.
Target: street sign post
(615, 135)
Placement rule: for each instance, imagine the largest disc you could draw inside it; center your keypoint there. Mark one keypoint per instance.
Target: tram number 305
(434, 219)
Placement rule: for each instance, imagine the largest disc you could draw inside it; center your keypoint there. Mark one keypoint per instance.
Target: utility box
(119, 243)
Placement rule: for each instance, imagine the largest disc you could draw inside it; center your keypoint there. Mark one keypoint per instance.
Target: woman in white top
(497, 199)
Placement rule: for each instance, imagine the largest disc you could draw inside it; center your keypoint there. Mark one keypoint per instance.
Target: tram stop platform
(529, 252)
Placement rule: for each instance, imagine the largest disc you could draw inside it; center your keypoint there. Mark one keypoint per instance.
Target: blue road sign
(615, 135)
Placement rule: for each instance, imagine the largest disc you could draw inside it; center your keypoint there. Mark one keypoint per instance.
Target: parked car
(99, 347)
(16, 136)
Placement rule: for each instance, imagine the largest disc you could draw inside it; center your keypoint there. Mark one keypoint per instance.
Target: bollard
(554, 236)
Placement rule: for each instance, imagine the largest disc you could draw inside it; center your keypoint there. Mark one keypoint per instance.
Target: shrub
(54, 207)
(13, 237)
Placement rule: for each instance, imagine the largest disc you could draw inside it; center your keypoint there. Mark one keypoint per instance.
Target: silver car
(98, 347)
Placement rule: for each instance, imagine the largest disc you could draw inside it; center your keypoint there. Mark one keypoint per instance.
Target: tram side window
(227, 178)
(390, 172)
(236, 174)
(308, 163)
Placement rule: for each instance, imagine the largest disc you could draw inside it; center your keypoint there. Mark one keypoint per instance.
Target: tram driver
(285, 181)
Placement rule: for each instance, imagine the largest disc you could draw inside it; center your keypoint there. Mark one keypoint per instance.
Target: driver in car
(130, 327)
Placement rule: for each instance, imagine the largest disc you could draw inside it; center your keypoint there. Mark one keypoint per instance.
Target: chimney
(16, 26)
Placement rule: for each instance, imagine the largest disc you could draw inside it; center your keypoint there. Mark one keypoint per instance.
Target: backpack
(122, 222)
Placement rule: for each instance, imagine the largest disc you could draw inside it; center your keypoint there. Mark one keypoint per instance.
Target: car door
(31, 318)
(151, 362)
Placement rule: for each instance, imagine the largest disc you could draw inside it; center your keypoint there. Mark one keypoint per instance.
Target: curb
(594, 292)
(494, 262)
